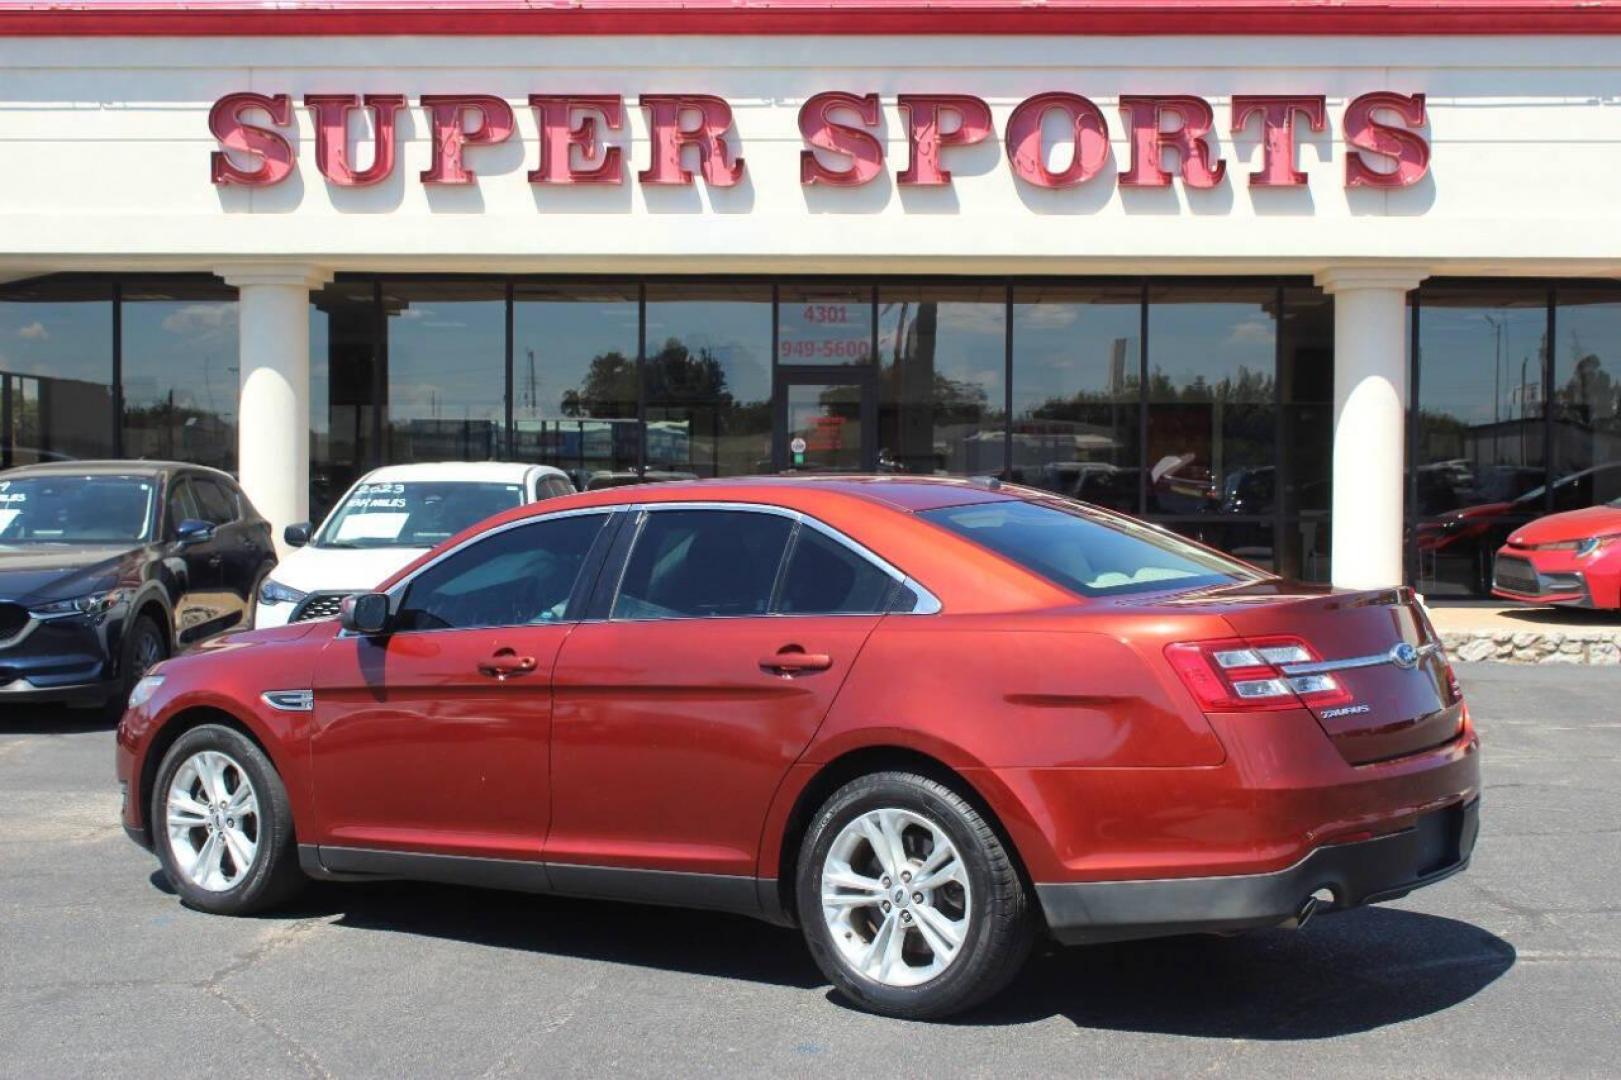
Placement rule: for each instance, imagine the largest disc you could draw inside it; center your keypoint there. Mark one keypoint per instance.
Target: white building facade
(1341, 299)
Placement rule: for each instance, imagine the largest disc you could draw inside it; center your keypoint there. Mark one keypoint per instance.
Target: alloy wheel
(895, 897)
(213, 820)
(148, 651)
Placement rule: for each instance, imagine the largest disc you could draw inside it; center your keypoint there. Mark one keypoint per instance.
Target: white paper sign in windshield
(371, 526)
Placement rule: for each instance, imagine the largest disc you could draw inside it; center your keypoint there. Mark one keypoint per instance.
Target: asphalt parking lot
(1512, 969)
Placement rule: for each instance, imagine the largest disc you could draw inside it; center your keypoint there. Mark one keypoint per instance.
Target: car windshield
(70, 508)
(413, 513)
(1090, 552)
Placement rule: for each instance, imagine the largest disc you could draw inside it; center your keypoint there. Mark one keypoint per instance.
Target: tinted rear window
(1087, 552)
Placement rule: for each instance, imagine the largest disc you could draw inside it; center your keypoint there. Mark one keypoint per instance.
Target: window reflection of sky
(1467, 368)
(736, 333)
(555, 341)
(447, 361)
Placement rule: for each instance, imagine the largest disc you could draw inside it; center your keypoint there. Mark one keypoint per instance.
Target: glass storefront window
(446, 370)
(56, 372)
(181, 379)
(1305, 472)
(1077, 385)
(1212, 412)
(344, 389)
(708, 380)
(824, 324)
(942, 404)
(574, 380)
(1586, 412)
(1480, 457)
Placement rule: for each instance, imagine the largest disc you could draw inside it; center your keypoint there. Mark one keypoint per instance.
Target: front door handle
(505, 663)
(793, 660)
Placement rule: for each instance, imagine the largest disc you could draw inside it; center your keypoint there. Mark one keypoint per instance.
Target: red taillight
(1243, 675)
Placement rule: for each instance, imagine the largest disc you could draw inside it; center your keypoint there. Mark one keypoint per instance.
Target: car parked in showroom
(1571, 559)
(928, 721)
(388, 518)
(107, 567)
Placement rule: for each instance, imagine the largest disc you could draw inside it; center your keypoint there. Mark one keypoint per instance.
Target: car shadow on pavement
(1344, 973)
(670, 939)
(51, 720)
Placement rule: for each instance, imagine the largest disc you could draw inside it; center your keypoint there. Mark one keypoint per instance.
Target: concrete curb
(1601, 647)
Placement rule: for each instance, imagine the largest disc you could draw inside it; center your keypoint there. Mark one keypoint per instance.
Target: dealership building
(1335, 286)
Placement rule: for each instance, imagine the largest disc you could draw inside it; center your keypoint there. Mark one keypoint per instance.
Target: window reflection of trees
(941, 399)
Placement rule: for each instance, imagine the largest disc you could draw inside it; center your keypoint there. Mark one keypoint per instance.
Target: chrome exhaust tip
(1302, 916)
(1307, 909)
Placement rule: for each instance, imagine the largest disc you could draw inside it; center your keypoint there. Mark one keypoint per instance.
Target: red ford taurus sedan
(924, 720)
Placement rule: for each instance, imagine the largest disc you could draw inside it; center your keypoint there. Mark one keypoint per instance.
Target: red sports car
(1571, 558)
(925, 720)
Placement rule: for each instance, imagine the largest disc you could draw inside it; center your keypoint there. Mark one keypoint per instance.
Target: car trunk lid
(1399, 695)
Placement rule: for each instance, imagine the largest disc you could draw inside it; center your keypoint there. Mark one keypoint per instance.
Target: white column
(1370, 420)
(273, 415)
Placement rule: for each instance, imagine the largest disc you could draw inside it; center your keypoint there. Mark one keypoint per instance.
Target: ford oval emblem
(1404, 655)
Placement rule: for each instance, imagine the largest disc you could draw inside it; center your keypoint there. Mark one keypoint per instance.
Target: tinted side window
(826, 578)
(520, 577)
(214, 504)
(179, 506)
(701, 564)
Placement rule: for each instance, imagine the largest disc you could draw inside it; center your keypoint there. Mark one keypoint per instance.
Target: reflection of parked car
(28, 455)
(1474, 533)
(1177, 486)
(928, 721)
(1254, 491)
(106, 566)
(624, 478)
(1571, 558)
(389, 517)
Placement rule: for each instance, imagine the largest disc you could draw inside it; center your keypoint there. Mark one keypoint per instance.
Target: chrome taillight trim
(1396, 654)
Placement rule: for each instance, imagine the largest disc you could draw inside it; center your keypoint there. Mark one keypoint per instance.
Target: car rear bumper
(1436, 846)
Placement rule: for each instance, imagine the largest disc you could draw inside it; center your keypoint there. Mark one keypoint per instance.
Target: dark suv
(107, 567)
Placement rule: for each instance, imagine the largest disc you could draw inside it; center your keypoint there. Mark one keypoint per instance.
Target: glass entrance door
(825, 423)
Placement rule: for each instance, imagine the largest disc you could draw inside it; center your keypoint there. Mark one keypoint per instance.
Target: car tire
(212, 764)
(144, 646)
(960, 944)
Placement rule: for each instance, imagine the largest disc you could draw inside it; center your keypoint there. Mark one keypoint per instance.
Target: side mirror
(297, 535)
(364, 613)
(193, 531)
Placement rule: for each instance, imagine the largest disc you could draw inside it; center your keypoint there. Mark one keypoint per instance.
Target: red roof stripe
(235, 18)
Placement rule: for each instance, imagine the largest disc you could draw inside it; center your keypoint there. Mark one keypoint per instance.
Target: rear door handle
(794, 662)
(505, 663)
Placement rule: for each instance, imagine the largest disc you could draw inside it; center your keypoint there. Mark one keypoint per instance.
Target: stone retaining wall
(1534, 646)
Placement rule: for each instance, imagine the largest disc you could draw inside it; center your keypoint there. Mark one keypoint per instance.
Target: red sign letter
(559, 135)
(820, 130)
(1409, 149)
(447, 114)
(1024, 140)
(274, 152)
(925, 140)
(1145, 116)
(709, 136)
(331, 112)
(1278, 134)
